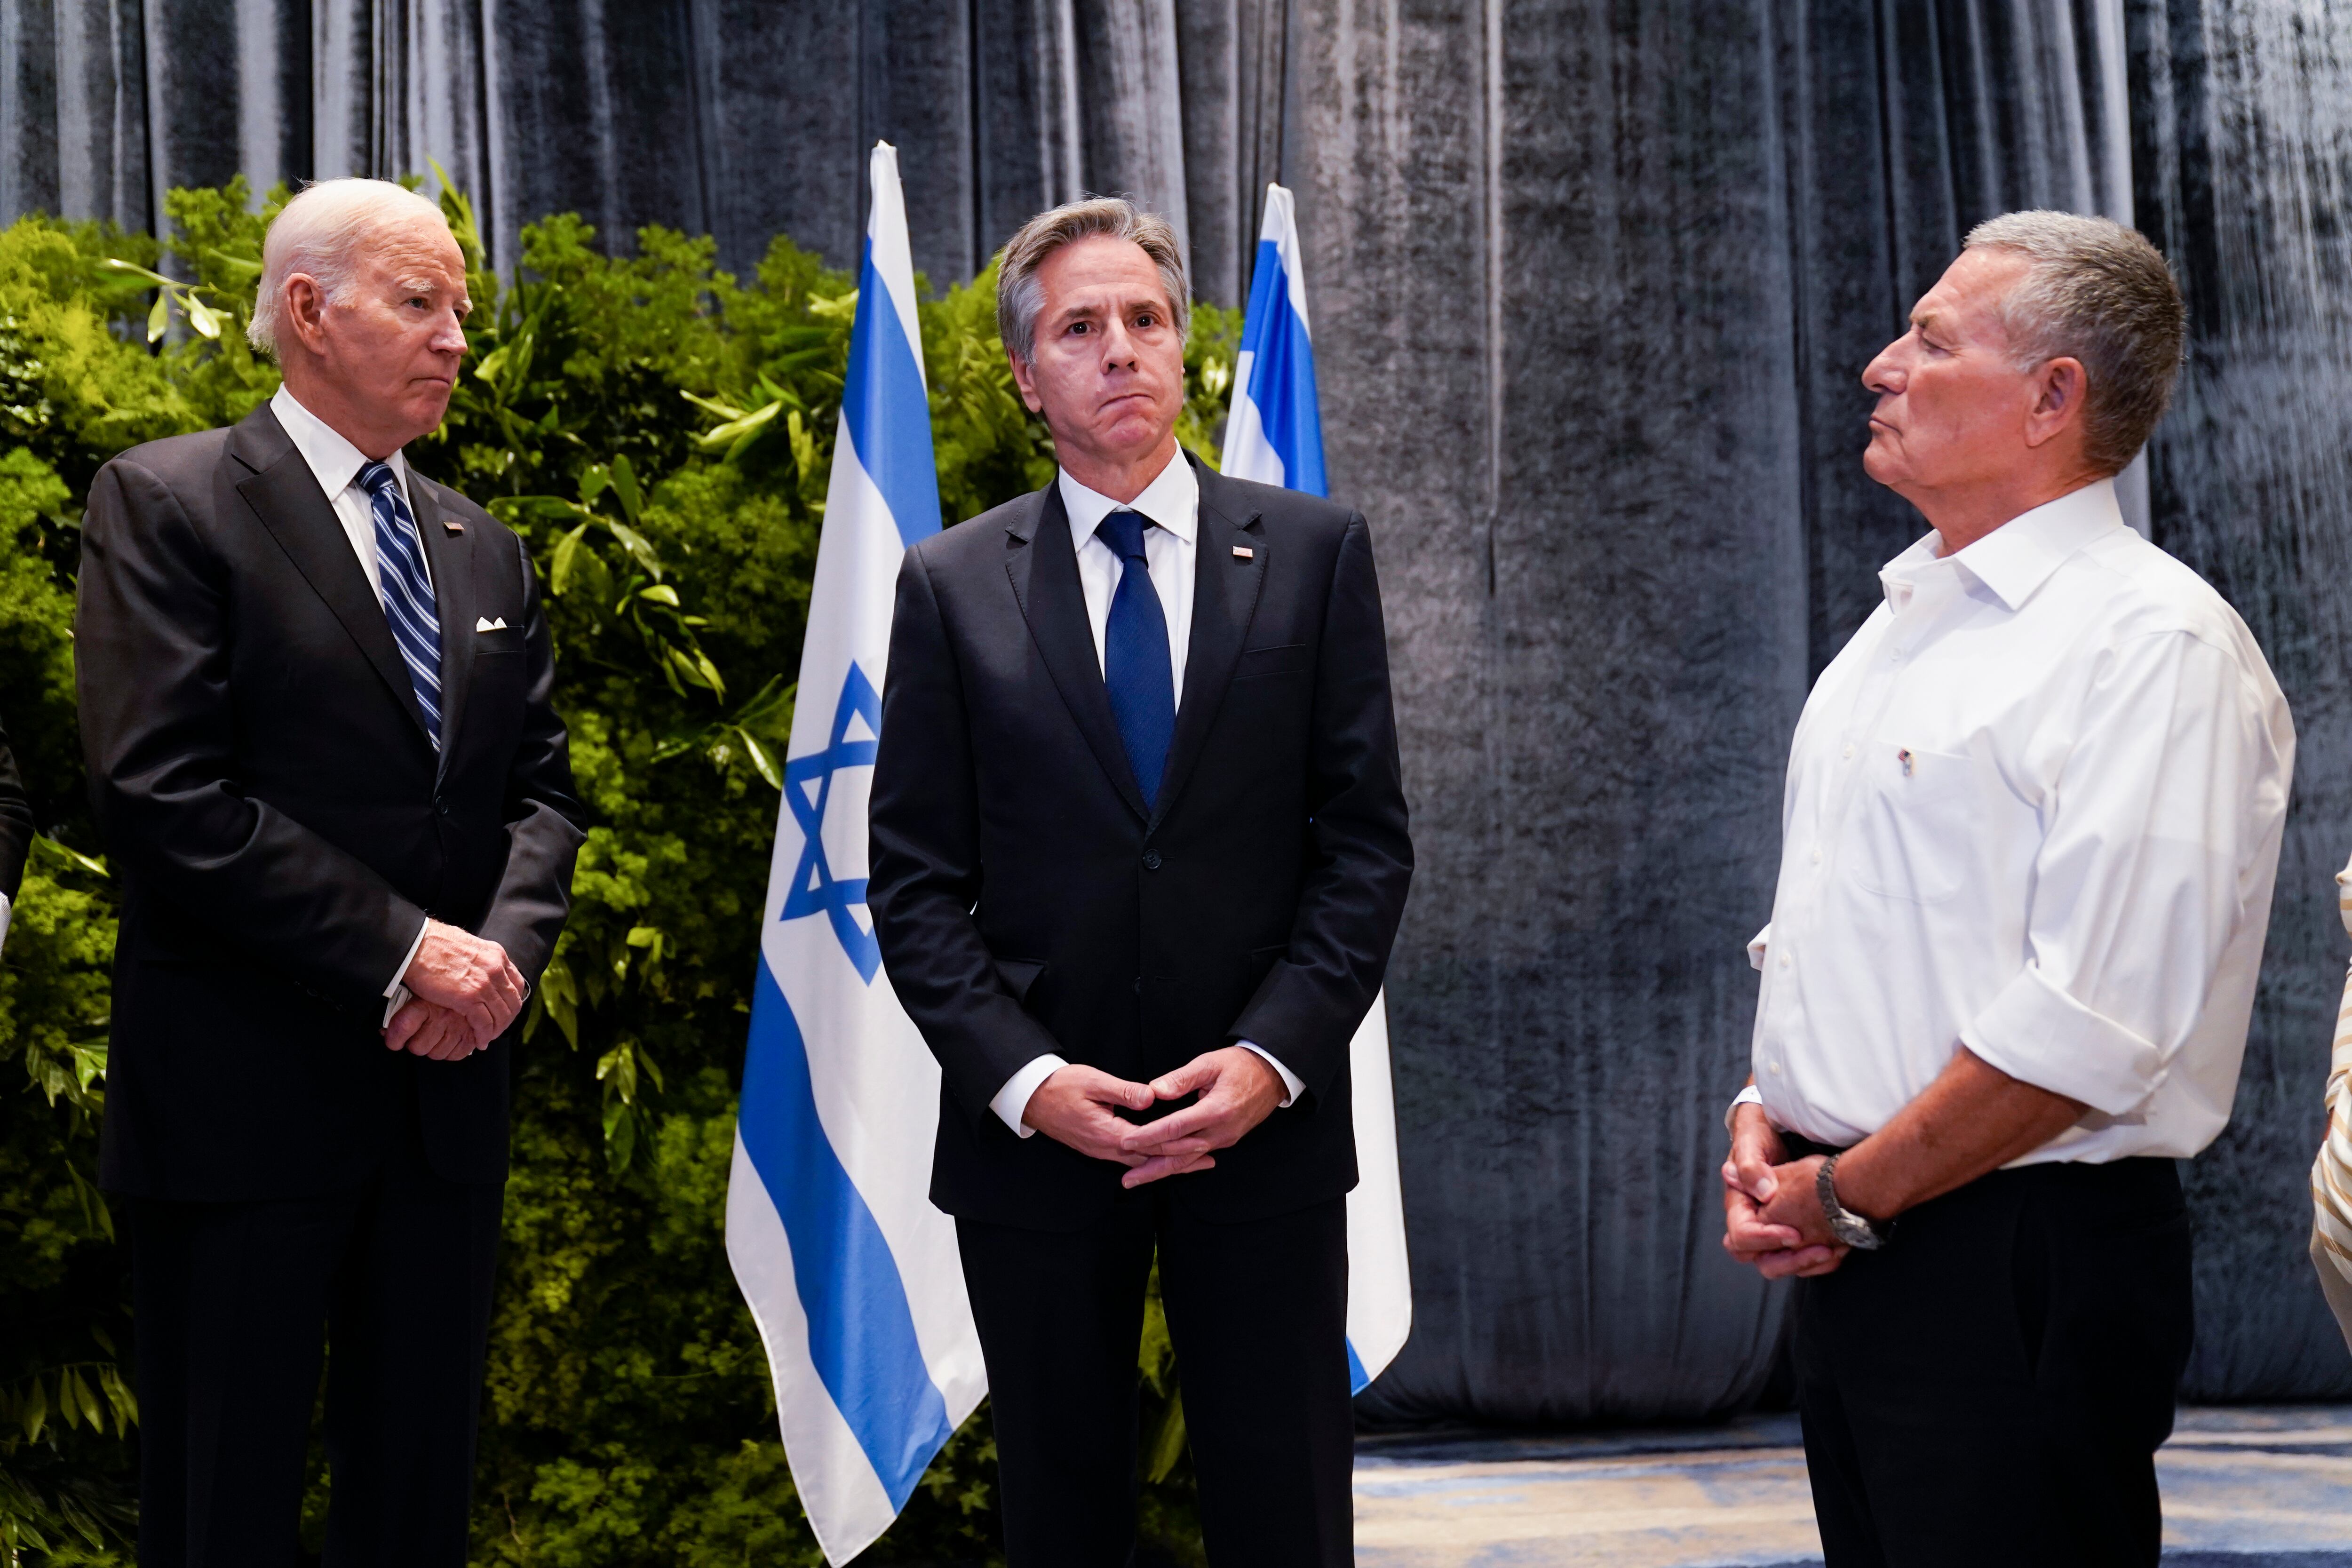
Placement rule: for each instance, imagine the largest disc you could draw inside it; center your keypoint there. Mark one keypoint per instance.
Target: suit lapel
(1224, 597)
(1044, 567)
(450, 557)
(285, 496)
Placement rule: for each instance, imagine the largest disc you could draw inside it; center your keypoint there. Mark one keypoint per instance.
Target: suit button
(1152, 859)
(1139, 986)
(441, 809)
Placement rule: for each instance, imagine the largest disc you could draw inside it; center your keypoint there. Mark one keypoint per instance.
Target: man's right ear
(305, 314)
(1025, 377)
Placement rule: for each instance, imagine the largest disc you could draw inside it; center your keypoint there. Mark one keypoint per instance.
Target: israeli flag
(850, 1272)
(1275, 435)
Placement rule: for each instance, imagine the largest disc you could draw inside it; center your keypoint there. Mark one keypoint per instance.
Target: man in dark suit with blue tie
(1139, 851)
(314, 691)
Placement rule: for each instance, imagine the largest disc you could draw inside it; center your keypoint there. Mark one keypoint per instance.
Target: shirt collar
(334, 462)
(2014, 560)
(1172, 501)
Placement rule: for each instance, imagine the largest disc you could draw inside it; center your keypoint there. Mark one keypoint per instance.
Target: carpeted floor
(2246, 1487)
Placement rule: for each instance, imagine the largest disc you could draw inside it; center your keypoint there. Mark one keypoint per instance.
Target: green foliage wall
(661, 433)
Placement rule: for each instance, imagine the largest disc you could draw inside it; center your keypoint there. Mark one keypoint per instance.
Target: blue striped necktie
(407, 590)
(1136, 670)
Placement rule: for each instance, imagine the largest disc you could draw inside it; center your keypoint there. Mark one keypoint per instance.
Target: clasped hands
(1772, 1217)
(463, 991)
(1078, 1106)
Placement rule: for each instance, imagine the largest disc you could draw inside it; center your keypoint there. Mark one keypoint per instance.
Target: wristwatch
(1852, 1229)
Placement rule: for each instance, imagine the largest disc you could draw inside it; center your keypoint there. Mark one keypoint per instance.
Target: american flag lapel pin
(451, 525)
(1244, 553)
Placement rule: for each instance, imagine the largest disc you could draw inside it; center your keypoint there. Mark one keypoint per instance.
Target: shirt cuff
(1751, 1095)
(1292, 1086)
(396, 995)
(6, 908)
(1757, 945)
(2039, 1035)
(1014, 1098)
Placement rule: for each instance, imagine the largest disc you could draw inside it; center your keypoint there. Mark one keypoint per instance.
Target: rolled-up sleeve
(2171, 789)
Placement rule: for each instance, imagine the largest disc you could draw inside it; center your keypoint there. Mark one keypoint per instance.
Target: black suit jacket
(1027, 903)
(15, 822)
(280, 824)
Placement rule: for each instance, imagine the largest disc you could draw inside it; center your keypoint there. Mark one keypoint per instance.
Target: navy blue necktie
(1136, 667)
(407, 590)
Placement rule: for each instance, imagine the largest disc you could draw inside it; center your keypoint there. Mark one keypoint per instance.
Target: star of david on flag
(808, 791)
(850, 1273)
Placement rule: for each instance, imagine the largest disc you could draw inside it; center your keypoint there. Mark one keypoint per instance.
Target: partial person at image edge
(15, 834)
(2032, 824)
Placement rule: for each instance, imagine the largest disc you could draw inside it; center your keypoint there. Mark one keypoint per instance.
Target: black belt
(1799, 1146)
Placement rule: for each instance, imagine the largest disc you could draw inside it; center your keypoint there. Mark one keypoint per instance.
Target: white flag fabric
(851, 1274)
(1275, 435)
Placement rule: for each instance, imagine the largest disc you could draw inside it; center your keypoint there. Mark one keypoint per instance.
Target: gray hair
(318, 235)
(2100, 293)
(1019, 295)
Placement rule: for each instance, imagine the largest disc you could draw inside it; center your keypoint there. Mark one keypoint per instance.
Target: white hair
(318, 235)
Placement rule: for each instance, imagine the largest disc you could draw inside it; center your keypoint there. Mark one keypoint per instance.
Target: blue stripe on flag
(1282, 377)
(886, 412)
(1357, 1377)
(861, 1331)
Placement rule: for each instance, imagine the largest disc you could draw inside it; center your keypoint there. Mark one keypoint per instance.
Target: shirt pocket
(1912, 832)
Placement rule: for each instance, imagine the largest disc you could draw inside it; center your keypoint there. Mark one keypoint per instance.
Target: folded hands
(1078, 1106)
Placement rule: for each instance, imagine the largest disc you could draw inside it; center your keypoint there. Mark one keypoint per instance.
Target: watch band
(1854, 1230)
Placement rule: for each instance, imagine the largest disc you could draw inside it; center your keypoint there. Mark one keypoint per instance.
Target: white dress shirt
(2034, 808)
(1171, 552)
(335, 463)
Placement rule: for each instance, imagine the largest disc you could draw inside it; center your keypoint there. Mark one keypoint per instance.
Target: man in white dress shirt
(2032, 817)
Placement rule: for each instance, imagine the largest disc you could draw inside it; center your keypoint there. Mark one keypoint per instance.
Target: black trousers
(234, 1303)
(1258, 1313)
(1993, 1385)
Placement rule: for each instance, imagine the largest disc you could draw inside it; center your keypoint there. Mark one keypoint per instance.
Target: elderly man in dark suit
(1139, 837)
(314, 701)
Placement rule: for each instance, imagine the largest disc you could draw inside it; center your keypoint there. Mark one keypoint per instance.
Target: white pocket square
(485, 624)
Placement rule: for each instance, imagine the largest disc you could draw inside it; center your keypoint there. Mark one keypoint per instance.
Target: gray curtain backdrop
(1592, 283)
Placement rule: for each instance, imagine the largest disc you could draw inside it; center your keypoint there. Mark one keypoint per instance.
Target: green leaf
(712, 406)
(159, 319)
(1167, 1444)
(33, 1411)
(204, 317)
(566, 562)
(761, 758)
(235, 266)
(119, 265)
(640, 549)
(69, 854)
(624, 484)
(735, 429)
(660, 594)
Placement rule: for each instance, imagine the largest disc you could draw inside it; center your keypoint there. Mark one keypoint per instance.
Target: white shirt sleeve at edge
(1013, 1100)
(5, 908)
(395, 993)
(2137, 881)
